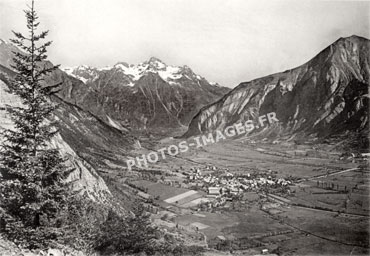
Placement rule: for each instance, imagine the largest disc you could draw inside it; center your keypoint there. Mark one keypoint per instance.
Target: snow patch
(170, 73)
(284, 88)
(84, 80)
(80, 73)
(69, 70)
(113, 123)
(105, 68)
(296, 112)
(3, 41)
(134, 72)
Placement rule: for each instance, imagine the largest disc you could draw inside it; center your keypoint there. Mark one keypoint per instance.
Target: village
(223, 185)
(212, 186)
(252, 207)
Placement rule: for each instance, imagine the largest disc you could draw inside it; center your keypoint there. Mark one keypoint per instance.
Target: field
(327, 211)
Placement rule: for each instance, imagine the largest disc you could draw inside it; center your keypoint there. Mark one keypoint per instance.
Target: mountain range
(102, 110)
(149, 96)
(99, 110)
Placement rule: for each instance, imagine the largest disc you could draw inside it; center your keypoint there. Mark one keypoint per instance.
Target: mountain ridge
(135, 72)
(306, 98)
(150, 96)
(132, 97)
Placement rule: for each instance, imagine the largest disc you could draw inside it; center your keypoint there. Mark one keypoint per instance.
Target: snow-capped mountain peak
(171, 94)
(3, 41)
(156, 63)
(132, 73)
(84, 73)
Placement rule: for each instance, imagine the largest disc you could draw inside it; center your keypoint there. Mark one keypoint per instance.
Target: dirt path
(287, 201)
(331, 174)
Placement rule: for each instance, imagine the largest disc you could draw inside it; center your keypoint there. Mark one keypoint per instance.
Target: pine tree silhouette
(33, 194)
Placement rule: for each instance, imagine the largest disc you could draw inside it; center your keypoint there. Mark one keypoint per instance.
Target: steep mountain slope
(83, 139)
(6, 55)
(84, 177)
(328, 95)
(151, 95)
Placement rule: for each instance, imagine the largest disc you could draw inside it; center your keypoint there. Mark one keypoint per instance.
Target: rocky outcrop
(84, 177)
(328, 95)
(8, 248)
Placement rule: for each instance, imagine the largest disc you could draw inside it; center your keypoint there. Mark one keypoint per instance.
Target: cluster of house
(225, 184)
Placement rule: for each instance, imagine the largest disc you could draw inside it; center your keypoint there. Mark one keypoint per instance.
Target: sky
(226, 41)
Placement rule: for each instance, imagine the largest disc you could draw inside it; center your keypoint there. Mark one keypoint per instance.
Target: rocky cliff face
(148, 96)
(83, 139)
(84, 177)
(327, 95)
(6, 53)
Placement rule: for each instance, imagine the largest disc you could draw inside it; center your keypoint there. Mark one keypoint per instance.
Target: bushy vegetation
(135, 234)
(132, 234)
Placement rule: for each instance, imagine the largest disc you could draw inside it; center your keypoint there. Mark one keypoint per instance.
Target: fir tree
(140, 230)
(32, 192)
(131, 234)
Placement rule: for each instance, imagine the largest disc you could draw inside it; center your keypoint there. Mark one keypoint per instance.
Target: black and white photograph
(184, 127)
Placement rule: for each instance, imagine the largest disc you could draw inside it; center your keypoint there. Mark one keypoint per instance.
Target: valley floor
(325, 210)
